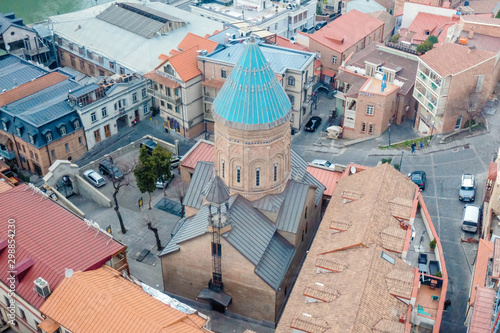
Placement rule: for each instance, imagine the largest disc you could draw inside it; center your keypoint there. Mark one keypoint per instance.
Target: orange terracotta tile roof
(483, 310)
(185, 63)
(283, 42)
(201, 151)
(350, 261)
(30, 88)
(102, 301)
(163, 57)
(214, 83)
(153, 76)
(202, 43)
(434, 24)
(450, 58)
(484, 253)
(346, 31)
(328, 178)
(5, 183)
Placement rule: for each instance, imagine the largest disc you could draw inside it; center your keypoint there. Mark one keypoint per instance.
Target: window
(62, 130)
(291, 81)
(7, 301)
(24, 149)
(176, 92)
(307, 224)
(31, 154)
(76, 124)
(458, 123)
(275, 171)
(238, 174)
(257, 177)
(111, 65)
(169, 106)
(369, 110)
(93, 117)
(21, 313)
(53, 153)
(305, 213)
(82, 64)
(388, 258)
(177, 110)
(169, 70)
(66, 146)
(36, 157)
(275, 26)
(32, 139)
(48, 136)
(223, 169)
(101, 72)
(223, 73)
(70, 45)
(145, 108)
(80, 50)
(143, 91)
(104, 112)
(169, 93)
(162, 103)
(122, 70)
(58, 40)
(292, 99)
(334, 59)
(302, 238)
(4, 125)
(370, 129)
(89, 55)
(80, 140)
(92, 70)
(18, 131)
(101, 60)
(363, 127)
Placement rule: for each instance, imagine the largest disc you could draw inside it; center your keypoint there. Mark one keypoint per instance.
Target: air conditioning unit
(42, 287)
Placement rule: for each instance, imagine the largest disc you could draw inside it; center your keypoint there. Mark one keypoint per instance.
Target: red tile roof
(435, 24)
(53, 237)
(185, 63)
(102, 301)
(452, 58)
(283, 42)
(481, 317)
(31, 87)
(484, 253)
(153, 76)
(346, 31)
(201, 151)
(327, 177)
(192, 40)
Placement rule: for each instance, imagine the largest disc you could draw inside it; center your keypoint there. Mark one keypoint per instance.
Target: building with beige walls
(453, 83)
(368, 108)
(251, 211)
(334, 42)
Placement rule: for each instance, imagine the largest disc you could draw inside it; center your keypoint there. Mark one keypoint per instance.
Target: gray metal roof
(218, 192)
(201, 176)
(80, 91)
(8, 19)
(292, 207)
(15, 71)
(251, 230)
(320, 188)
(270, 203)
(275, 261)
(299, 166)
(142, 21)
(279, 58)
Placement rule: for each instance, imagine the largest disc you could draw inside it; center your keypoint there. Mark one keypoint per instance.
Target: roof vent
(42, 287)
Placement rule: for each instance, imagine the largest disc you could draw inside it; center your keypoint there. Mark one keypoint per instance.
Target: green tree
(319, 10)
(395, 38)
(161, 161)
(424, 47)
(498, 14)
(433, 39)
(144, 172)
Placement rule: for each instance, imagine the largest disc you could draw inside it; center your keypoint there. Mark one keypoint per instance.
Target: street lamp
(389, 126)
(401, 161)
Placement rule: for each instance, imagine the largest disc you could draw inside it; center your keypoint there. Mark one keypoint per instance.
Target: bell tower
(252, 128)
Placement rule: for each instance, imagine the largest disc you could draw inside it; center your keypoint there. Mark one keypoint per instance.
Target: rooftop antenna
(69, 272)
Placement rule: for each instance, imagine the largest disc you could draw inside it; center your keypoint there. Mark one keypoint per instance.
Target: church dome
(252, 98)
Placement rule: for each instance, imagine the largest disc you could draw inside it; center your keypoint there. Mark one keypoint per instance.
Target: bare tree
(468, 106)
(180, 193)
(151, 222)
(118, 182)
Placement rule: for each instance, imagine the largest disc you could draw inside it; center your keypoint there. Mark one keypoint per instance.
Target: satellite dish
(68, 273)
(353, 169)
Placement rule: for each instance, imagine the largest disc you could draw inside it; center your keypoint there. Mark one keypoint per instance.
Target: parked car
(313, 124)
(324, 163)
(160, 183)
(320, 25)
(94, 178)
(467, 190)
(175, 161)
(109, 169)
(150, 145)
(470, 218)
(419, 178)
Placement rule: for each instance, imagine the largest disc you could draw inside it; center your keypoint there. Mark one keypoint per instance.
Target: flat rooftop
(247, 14)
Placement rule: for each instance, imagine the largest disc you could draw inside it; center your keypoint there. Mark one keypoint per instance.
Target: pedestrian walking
(413, 145)
(110, 159)
(447, 303)
(421, 144)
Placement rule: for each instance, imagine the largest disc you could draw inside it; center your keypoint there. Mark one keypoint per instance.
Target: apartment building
(452, 84)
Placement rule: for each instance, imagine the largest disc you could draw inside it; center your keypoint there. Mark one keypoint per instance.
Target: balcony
(7, 154)
(208, 99)
(169, 99)
(308, 84)
(208, 115)
(431, 82)
(307, 103)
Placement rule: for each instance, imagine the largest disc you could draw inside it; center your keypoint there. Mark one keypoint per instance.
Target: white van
(470, 219)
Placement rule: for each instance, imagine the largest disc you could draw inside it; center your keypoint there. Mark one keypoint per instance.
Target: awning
(49, 325)
(216, 297)
(328, 72)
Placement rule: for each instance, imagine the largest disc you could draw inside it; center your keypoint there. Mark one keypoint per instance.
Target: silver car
(467, 188)
(94, 178)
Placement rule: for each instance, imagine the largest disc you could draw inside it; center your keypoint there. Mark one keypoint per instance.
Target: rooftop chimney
(471, 34)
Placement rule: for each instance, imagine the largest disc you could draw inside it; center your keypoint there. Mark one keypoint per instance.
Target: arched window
(238, 174)
(275, 171)
(291, 81)
(169, 70)
(257, 177)
(223, 169)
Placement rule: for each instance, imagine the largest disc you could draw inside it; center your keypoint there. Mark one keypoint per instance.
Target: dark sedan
(313, 124)
(419, 178)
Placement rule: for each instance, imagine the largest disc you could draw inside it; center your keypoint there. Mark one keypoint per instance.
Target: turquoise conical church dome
(252, 98)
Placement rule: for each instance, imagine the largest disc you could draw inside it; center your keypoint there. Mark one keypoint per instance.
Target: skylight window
(388, 258)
